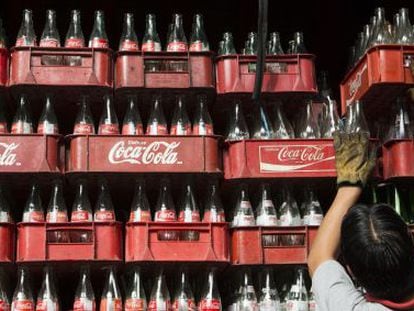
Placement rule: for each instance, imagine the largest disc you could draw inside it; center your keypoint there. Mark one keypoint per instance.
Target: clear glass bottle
(198, 41)
(307, 127)
(22, 121)
(297, 297)
(248, 299)
(48, 123)
(5, 212)
(299, 43)
(23, 296)
(4, 299)
(135, 298)
(81, 208)
(210, 297)
(157, 125)
(263, 127)
(74, 36)
(84, 124)
(99, 38)
(275, 47)
(266, 212)
(160, 297)
(129, 39)
(47, 299)
(26, 35)
(355, 121)
(251, 44)
(33, 209)
(132, 124)
(165, 208)
(401, 126)
(180, 124)
(380, 34)
(404, 30)
(228, 44)
(104, 209)
(177, 42)
(243, 212)
(281, 125)
(84, 295)
(108, 124)
(184, 297)
(56, 210)
(237, 125)
(269, 297)
(50, 35)
(213, 207)
(140, 207)
(202, 123)
(111, 298)
(311, 208)
(330, 122)
(151, 41)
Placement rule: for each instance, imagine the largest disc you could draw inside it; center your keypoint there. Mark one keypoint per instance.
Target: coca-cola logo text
(306, 154)
(157, 152)
(355, 84)
(8, 155)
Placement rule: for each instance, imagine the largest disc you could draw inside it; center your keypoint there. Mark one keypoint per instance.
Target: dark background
(330, 27)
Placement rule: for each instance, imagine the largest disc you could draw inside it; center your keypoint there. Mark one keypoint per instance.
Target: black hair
(378, 248)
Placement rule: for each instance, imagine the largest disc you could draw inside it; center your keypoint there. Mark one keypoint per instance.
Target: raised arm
(354, 162)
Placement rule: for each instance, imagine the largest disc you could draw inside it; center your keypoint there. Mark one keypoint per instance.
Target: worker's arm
(354, 163)
(326, 244)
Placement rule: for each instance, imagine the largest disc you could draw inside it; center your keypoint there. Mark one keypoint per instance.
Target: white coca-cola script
(157, 152)
(8, 155)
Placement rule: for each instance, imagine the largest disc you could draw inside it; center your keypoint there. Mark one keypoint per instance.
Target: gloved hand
(355, 158)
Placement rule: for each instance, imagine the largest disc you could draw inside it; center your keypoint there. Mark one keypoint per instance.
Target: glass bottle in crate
(202, 123)
(184, 297)
(263, 128)
(401, 125)
(213, 208)
(243, 212)
(4, 299)
(108, 124)
(111, 298)
(292, 47)
(104, 209)
(160, 297)
(81, 208)
(99, 38)
(367, 36)
(189, 213)
(50, 35)
(299, 43)
(355, 119)
(228, 44)
(57, 213)
(297, 297)
(312, 302)
(251, 44)
(129, 39)
(269, 297)
(177, 42)
(132, 124)
(380, 33)
(74, 36)
(266, 212)
(157, 125)
(311, 208)
(23, 296)
(281, 125)
(275, 47)
(140, 208)
(165, 211)
(5, 214)
(33, 209)
(47, 298)
(84, 295)
(3, 43)
(248, 298)
(198, 38)
(330, 121)
(290, 217)
(3, 120)
(84, 124)
(135, 298)
(48, 123)
(151, 41)
(307, 127)
(22, 121)
(237, 125)
(210, 298)
(26, 35)
(180, 124)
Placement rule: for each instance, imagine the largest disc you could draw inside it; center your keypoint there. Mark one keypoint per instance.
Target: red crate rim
(63, 49)
(164, 53)
(297, 140)
(176, 223)
(396, 141)
(73, 136)
(268, 57)
(69, 224)
(276, 228)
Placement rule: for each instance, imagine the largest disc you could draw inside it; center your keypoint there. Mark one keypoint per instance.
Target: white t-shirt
(335, 291)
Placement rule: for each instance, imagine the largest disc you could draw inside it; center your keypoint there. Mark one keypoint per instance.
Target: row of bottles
(290, 214)
(380, 31)
(109, 124)
(57, 212)
(308, 125)
(177, 41)
(263, 295)
(274, 46)
(181, 297)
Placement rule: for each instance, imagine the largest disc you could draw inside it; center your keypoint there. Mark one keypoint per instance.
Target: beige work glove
(355, 158)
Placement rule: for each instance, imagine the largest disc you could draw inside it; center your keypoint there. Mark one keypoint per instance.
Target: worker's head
(379, 250)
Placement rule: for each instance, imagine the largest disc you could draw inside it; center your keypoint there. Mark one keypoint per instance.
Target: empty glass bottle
(99, 38)
(111, 296)
(84, 295)
(5, 214)
(380, 33)
(202, 123)
(180, 124)
(165, 208)
(108, 124)
(151, 41)
(213, 207)
(237, 126)
(330, 121)
(268, 295)
(401, 127)
(248, 298)
(188, 210)
(26, 35)
(210, 297)
(297, 297)
(263, 128)
(84, 123)
(4, 299)
(47, 299)
(266, 212)
(81, 208)
(251, 44)
(132, 124)
(160, 297)
(198, 39)
(184, 297)
(104, 209)
(281, 125)
(228, 44)
(307, 127)
(275, 47)
(135, 298)
(289, 211)
(157, 125)
(22, 121)
(33, 209)
(48, 121)
(56, 210)
(355, 120)
(129, 39)
(299, 43)
(404, 30)
(177, 42)
(50, 36)
(140, 208)
(243, 212)
(23, 296)
(311, 208)
(74, 36)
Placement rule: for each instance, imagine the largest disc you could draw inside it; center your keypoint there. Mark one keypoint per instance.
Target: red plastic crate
(35, 242)
(4, 68)
(30, 153)
(249, 245)
(144, 242)
(132, 154)
(381, 75)
(6, 242)
(197, 70)
(398, 159)
(235, 74)
(279, 158)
